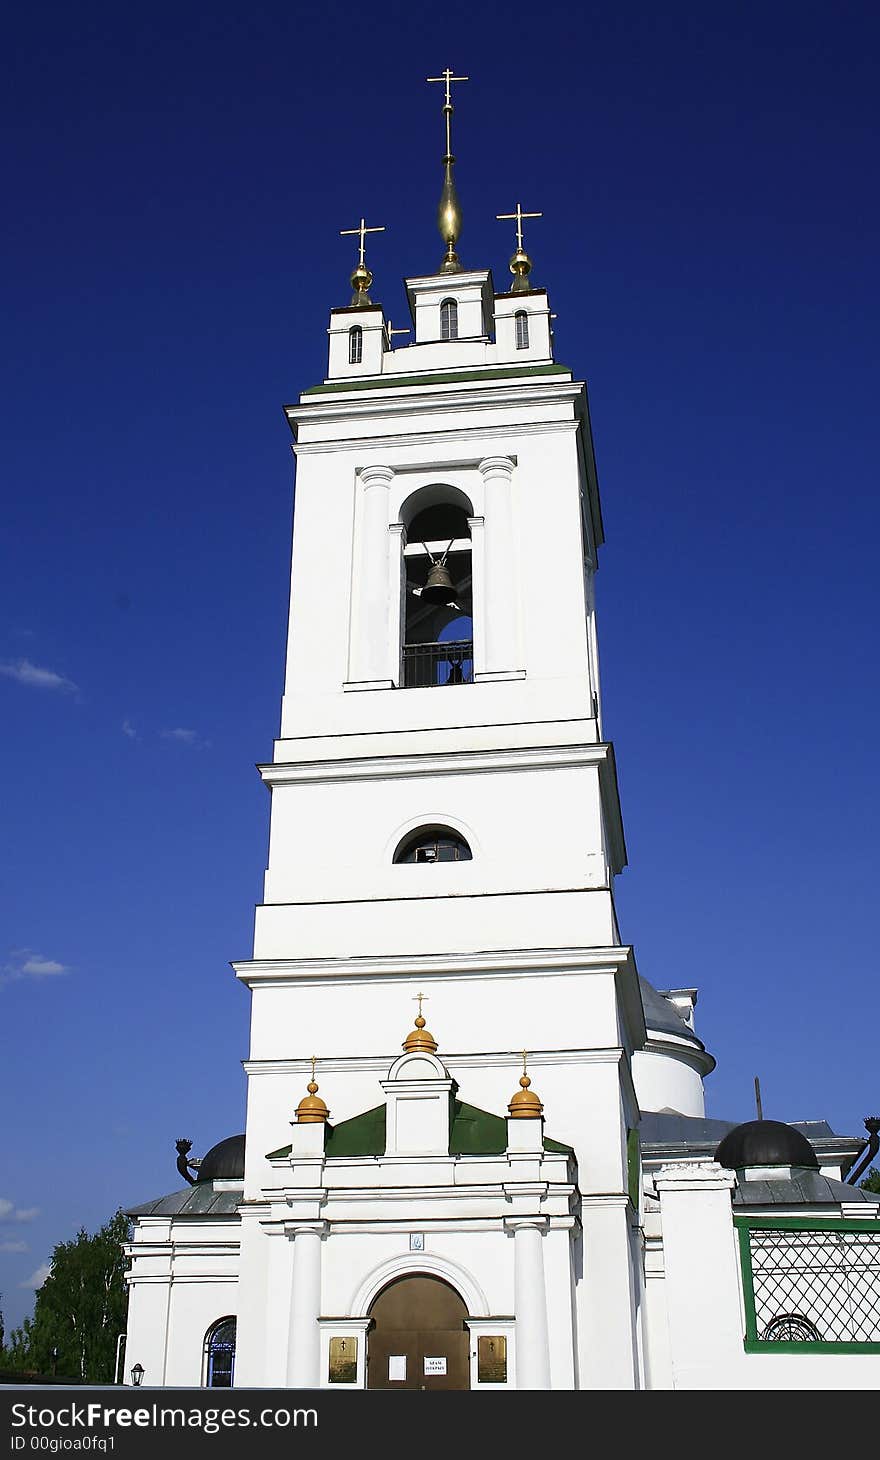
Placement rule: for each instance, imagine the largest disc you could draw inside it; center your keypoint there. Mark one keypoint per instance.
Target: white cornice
(452, 433)
(379, 1064)
(435, 763)
(408, 400)
(491, 963)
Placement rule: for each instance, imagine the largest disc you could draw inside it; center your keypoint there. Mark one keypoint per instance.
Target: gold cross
(448, 78)
(362, 230)
(525, 1060)
(519, 215)
(314, 1062)
(390, 331)
(421, 998)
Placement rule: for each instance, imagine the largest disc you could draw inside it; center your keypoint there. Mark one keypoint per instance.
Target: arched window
(355, 345)
(449, 320)
(433, 844)
(522, 329)
(220, 1354)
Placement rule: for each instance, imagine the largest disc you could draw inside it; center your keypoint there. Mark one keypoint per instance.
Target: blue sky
(175, 180)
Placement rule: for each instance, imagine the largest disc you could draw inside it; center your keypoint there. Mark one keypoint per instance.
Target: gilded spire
(520, 263)
(311, 1108)
(420, 1037)
(525, 1105)
(449, 209)
(361, 278)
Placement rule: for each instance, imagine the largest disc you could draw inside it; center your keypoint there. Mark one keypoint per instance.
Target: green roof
(439, 377)
(474, 1132)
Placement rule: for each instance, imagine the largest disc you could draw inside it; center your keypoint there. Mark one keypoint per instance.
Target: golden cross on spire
(420, 999)
(519, 215)
(362, 230)
(314, 1062)
(447, 78)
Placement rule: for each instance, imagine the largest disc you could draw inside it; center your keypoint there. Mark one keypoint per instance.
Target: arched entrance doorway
(418, 1339)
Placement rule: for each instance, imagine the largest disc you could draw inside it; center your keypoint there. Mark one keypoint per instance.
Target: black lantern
(137, 1375)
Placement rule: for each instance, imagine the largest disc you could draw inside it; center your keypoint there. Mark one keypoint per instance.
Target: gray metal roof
(806, 1188)
(663, 1016)
(193, 1201)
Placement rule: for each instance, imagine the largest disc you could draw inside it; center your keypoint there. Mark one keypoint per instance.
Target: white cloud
(38, 967)
(9, 1212)
(129, 730)
(13, 1247)
(26, 963)
(24, 672)
(37, 1278)
(186, 737)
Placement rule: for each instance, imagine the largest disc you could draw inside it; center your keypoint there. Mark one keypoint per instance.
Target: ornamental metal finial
(520, 263)
(420, 1038)
(449, 209)
(361, 278)
(525, 1104)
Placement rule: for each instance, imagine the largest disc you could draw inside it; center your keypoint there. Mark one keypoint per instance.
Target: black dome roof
(224, 1162)
(765, 1143)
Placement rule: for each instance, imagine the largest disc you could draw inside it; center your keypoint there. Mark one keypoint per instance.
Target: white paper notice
(396, 1366)
(435, 1366)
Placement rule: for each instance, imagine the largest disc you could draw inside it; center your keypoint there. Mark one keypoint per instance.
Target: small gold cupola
(525, 1104)
(420, 1038)
(311, 1108)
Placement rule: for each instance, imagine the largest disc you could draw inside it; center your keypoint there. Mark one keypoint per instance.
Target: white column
(530, 1303)
(499, 594)
(371, 587)
(304, 1354)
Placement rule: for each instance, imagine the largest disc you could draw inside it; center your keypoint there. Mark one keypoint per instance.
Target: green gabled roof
(474, 1133)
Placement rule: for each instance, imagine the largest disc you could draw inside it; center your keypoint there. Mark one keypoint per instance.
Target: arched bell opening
(419, 1338)
(438, 647)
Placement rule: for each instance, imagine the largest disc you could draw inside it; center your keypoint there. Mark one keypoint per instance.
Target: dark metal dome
(224, 1162)
(765, 1143)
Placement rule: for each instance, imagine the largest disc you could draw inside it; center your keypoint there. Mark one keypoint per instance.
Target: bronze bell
(439, 589)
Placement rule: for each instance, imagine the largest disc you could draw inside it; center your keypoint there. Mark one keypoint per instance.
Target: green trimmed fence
(810, 1285)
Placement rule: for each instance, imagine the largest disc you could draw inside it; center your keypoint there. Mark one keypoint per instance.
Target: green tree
(79, 1311)
(871, 1181)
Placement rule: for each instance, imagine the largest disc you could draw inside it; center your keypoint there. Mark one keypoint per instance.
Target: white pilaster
(304, 1357)
(499, 570)
(530, 1303)
(372, 585)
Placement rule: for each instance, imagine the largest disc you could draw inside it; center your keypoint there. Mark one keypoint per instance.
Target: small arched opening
(429, 844)
(419, 1339)
(521, 320)
(355, 345)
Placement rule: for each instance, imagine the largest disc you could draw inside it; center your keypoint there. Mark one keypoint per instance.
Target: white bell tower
(445, 816)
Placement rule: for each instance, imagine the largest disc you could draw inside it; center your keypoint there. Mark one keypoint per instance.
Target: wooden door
(419, 1340)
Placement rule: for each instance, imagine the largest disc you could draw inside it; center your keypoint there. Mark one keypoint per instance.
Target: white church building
(476, 1153)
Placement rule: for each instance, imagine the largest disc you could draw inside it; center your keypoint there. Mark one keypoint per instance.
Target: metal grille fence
(430, 664)
(819, 1286)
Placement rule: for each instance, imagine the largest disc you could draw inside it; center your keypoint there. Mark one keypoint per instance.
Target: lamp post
(137, 1375)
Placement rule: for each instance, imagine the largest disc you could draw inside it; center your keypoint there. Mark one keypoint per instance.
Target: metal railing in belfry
(430, 664)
